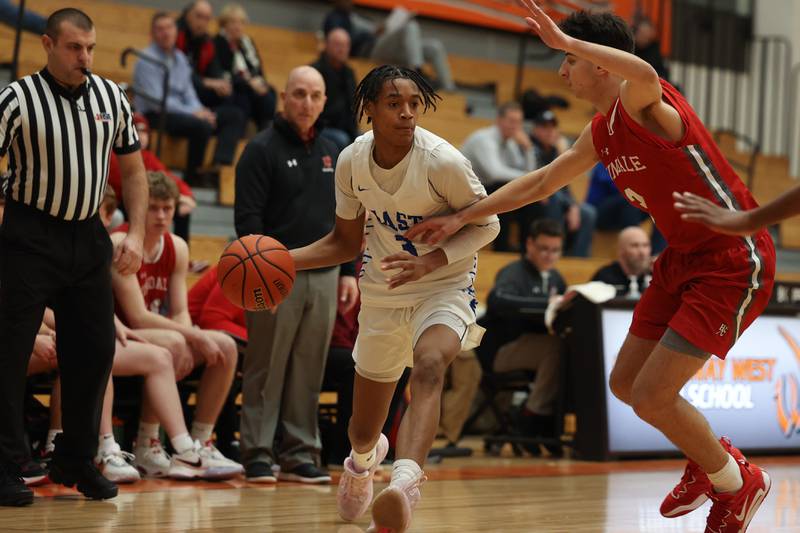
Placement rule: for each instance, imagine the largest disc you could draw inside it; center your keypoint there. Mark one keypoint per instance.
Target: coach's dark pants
(45, 261)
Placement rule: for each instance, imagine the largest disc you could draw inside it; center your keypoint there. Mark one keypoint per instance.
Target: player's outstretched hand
(433, 230)
(411, 267)
(695, 208)
(544, 26)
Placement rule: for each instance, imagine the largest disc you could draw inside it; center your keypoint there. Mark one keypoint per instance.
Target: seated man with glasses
(516, 337)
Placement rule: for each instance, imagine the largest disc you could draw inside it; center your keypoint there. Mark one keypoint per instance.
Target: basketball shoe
(355, 488)
(117, 466)
(151, 459)
(203, 462)
(732, 512)
(694, 488)
(392, 508)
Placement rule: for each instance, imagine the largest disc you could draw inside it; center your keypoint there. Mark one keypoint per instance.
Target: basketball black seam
(250, 257)
(228, 273)
(279, 268)
(259, 252)
(269, 292)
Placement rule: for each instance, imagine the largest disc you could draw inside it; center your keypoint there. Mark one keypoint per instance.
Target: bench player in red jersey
(707, 287)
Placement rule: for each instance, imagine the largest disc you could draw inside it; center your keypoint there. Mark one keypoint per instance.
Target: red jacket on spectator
(210, 309)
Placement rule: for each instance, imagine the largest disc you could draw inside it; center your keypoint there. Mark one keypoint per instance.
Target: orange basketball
(256, 272)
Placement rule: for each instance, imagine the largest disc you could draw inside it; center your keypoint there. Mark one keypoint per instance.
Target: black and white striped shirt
(59, 142)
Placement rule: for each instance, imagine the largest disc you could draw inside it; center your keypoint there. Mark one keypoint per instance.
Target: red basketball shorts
(709, 298)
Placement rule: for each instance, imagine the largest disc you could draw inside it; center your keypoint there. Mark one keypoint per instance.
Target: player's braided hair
(370, 87)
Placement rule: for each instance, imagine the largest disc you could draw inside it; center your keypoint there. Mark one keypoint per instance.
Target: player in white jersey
(418, 305)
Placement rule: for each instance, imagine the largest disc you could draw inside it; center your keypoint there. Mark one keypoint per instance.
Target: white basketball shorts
(387, 337)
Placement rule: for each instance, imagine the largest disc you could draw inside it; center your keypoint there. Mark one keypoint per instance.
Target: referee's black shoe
(13, 491)
(85, 475)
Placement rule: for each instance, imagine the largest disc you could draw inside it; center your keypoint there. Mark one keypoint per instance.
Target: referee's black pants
(45, 261)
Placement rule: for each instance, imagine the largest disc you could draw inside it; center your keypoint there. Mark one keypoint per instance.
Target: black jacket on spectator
(285, 187)
(202, 55)
(340, 87)
(516, 305)
(613, 274)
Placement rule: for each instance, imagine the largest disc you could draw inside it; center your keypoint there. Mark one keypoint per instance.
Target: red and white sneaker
(694, 488)
(355, 488)
(732, 512)
(392, 508)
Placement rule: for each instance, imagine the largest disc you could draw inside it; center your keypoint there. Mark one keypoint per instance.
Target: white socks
(728, 478)
(405, 471)
(202, 432)
(182, 443)
(147, 432)
(364, 461)
(106, 444)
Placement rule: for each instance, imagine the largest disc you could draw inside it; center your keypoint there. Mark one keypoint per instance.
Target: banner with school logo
(753, 396)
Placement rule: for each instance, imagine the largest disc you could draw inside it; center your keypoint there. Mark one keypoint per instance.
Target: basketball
(256, 272)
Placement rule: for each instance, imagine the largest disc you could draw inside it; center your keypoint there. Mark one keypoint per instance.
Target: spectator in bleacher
(186, 202)
(186, 116)
(648, 46)
(338, 119)
(153, 303)
(614, 212)
(241, 64)
(285, 189)
(195, 41)
(31, 21)
(499, 154)
(516, 337)
(631, 273)
(578, 218)
(397, 39)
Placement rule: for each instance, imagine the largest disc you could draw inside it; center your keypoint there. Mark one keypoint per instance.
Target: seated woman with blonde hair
(239, 58)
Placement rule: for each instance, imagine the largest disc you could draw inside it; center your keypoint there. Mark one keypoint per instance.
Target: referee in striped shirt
(58, 127)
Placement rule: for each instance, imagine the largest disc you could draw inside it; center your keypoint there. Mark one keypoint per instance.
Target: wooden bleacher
(122, 25)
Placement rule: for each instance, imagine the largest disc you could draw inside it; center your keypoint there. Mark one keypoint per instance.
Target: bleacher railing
(755, 103)
(759, 103)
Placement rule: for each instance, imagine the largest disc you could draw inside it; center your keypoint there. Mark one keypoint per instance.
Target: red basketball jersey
(647, 169)
(154, 276)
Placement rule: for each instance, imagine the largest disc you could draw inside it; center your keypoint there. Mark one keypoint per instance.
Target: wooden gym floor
(462, 495)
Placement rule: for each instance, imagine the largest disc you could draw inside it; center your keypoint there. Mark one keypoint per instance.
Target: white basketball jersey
(389, 216)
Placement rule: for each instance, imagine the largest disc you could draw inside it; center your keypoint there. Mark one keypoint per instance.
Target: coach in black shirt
(285, 189)
(58, 127)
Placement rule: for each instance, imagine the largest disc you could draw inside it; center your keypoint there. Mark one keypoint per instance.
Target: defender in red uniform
(707, 287)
